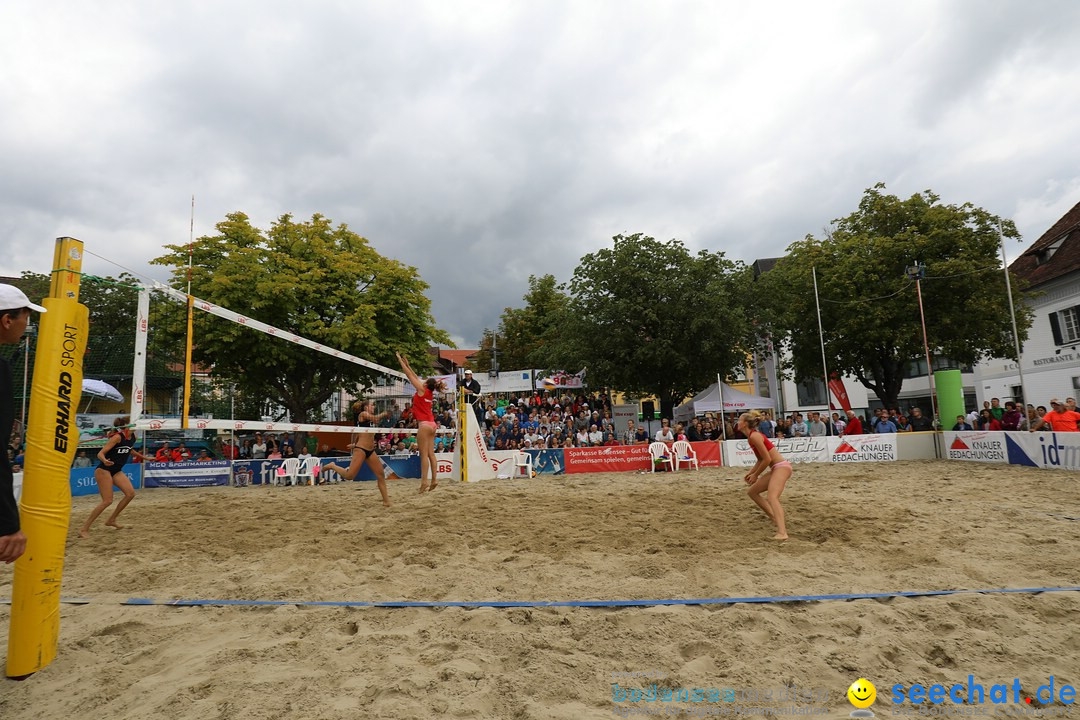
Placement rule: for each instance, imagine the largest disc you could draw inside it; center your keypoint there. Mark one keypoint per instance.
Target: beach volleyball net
(224, 376)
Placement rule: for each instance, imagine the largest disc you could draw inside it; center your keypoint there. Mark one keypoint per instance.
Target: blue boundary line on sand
(575, 603)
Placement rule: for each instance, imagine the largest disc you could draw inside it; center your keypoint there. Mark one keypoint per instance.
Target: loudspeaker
(667, 410)
(648, 410)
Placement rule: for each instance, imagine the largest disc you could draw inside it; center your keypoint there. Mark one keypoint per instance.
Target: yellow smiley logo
(862, 693)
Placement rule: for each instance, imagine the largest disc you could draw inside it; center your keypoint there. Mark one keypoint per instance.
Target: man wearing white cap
(471, 388)
(15, 310)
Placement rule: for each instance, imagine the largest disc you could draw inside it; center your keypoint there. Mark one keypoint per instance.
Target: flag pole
(821, 336)
(1012, 314)
(723, 417)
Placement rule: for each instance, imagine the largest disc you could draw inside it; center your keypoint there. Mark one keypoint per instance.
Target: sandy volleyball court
(855, 528)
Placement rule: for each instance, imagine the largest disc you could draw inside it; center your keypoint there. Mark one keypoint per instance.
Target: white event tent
(708, 400)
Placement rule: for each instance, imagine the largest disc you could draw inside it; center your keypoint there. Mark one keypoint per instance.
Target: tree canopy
(869, 307)
(524, 332)
(313, 279)
(648, 317)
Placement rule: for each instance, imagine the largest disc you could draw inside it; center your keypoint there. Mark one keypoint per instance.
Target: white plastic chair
(287, 472)
(523, 461)
(684, 453)
(660, 451)
(309, 469)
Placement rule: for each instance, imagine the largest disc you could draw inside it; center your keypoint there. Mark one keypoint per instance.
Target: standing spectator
(204, 456)
(918, 423)
(15, 310)
(853, 425)
(258, 448)
(1060, 419)
(816, 428)
(81, 461)
(628, 436)
(996, 410)
(988, 422)
(884, 424)
(838, 424)
(799, 428)
(287, 441)
(961, 424)
(1011, 418)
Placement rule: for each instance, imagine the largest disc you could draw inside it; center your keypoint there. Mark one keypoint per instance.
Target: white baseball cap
(12, 298)
(468, 372)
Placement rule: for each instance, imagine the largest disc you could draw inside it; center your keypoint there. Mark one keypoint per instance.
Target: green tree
(310, 278)
(523, 333)
(647, 317)
(869, 308)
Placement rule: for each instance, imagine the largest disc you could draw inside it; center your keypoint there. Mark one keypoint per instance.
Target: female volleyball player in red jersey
(363, 449)
(425, 438)
(770, 474)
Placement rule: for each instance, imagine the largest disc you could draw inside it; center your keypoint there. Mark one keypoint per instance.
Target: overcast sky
(486, 141)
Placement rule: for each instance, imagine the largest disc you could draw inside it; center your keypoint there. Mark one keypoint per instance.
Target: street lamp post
(916, 272)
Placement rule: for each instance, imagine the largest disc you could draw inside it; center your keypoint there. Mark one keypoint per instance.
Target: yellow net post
(52, 439)
(463, 407)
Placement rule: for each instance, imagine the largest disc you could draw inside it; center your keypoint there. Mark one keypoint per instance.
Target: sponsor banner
(83, 482)
(863, 448)
(187, 474)
(617, 458)
(795, 450)
(708, 454)
(977, 446)
(560, 380)
(620, 414)
(1053, 450)
(260, 472)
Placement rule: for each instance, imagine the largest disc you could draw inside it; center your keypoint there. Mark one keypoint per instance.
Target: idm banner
(188, 474)
(1057, 451)
(976, 446)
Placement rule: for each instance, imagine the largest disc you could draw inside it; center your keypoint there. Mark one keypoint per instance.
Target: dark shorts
(112, 470)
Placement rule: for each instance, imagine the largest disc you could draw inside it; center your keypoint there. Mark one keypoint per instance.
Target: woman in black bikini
(363, 448)
(110, 471)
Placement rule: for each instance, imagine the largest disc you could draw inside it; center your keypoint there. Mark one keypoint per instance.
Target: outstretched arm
(413, 378)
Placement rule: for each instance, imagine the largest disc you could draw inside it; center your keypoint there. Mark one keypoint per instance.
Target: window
(1043, 256)
(1065, 324)
(811, 392)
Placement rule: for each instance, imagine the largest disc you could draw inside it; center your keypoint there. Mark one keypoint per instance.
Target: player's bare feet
(778, 536)
(434, 484)
(423, 488)
(84, 533)
(112, 523)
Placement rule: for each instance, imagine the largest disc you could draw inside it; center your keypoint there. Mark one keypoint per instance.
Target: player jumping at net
(425, 437)
(110, 471)
(770, 474)
(363, 449)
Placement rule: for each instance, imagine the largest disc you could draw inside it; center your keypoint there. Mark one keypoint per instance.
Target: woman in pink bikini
(421, 407)
(770, 473)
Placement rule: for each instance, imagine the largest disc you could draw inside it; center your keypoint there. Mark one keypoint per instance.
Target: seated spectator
(961, 424)
(641, 436)
(664, 434)
(680, 432)
(581, 438)
(81, 460)
(596, 437)
(204, 456)
(182, 452)
(304, 454)
(166, 454)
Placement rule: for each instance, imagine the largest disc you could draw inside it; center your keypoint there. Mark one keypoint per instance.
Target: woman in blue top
(110, 471)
